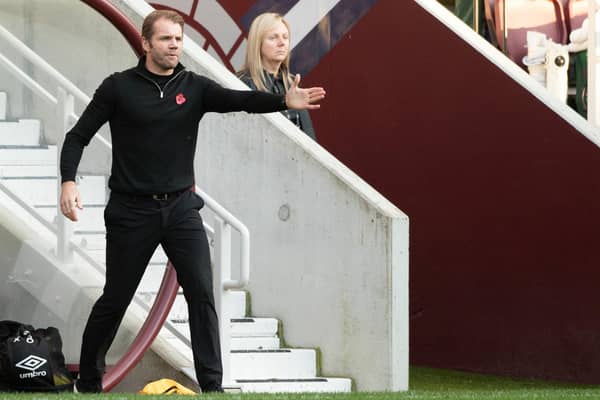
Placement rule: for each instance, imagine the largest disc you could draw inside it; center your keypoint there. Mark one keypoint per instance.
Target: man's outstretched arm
(219, 99)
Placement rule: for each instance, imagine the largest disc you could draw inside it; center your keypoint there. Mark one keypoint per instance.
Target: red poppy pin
(180, 99)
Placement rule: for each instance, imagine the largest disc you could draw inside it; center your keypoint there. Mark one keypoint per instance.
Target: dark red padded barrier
(503, 196)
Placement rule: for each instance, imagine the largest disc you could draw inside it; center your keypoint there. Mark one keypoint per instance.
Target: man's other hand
(70, 200)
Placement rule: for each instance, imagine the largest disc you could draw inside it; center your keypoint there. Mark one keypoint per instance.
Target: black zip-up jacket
(154, 130)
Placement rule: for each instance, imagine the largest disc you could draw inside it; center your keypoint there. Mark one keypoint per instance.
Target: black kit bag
(31, 360)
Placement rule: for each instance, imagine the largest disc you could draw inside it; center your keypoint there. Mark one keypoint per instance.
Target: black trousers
(134, 228)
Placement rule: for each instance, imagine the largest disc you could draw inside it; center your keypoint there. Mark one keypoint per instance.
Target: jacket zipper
(161, 91)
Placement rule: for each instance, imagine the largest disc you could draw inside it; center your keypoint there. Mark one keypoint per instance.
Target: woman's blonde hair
(253, 64)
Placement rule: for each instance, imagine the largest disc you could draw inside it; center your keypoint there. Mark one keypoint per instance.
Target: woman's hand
(298, 98)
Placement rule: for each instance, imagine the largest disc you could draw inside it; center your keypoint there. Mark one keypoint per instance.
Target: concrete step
(27, 155)
(254, 327)
(2, 106)
(243, 327)
(255, 343)
(24, 132)
(179, 313)
(309, 385)
(13, 171)
(273, 364)
(42, 191)
(239, 343)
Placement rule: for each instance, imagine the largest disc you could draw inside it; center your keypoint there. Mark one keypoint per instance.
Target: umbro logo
(31, 363)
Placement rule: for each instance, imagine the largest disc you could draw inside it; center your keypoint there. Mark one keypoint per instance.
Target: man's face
(164, 47)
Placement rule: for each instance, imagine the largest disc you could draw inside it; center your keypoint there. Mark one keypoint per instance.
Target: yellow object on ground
(165, 386)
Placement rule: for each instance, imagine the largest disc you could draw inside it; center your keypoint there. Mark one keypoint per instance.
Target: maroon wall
(503, 196)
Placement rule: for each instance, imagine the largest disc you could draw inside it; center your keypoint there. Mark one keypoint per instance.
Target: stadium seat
(575, 12)
(544, 16)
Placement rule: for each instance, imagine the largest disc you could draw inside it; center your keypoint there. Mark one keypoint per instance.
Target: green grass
(425, 384)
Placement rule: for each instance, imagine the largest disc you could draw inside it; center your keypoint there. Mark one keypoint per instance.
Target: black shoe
(87, 387)
(213, 389)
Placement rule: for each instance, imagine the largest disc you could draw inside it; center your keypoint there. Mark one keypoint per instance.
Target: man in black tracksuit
(153, 110)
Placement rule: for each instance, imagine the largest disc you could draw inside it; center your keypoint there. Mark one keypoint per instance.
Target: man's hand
(303, 99)
(70, 200)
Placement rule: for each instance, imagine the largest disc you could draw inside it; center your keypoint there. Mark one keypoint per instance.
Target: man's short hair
(148, 25)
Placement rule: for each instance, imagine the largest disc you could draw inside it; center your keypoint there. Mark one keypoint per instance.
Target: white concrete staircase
(259, 364)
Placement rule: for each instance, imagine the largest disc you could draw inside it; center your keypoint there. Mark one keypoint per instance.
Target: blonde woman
(267, 66)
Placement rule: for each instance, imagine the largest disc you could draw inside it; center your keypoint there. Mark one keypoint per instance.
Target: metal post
(64, 109)
(504, 28)
(592, 63)
(476, 15)
(222, 262)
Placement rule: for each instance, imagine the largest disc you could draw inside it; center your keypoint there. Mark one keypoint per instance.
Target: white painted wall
(336, 271)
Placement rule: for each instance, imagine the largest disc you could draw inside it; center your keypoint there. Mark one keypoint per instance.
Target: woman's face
(275, 45)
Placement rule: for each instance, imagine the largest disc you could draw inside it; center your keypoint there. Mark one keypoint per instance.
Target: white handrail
(245, 240)
(41, 63)
(27, 81)
(51, 71)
